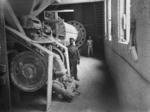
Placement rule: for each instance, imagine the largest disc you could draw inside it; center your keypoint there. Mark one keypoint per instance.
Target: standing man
(90, 46)
(74, 58)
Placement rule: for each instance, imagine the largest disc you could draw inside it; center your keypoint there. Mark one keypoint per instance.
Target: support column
(4, 74)
(50, 82)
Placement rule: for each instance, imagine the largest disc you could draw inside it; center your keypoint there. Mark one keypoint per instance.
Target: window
(124, 21)
(108, 20)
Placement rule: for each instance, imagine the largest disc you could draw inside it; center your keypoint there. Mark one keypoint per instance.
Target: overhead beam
(78, 1)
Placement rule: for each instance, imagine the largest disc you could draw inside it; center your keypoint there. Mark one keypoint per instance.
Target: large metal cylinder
(67, 31)
(81, 38)
(61, 29)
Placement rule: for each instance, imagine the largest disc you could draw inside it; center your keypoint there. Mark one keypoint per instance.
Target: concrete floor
(96, 87)
(98, 93)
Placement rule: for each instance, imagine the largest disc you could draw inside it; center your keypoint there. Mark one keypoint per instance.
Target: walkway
(97, 92)
(96, 87)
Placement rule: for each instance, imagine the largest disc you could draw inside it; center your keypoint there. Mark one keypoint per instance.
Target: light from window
(108, 34)
(124, 21)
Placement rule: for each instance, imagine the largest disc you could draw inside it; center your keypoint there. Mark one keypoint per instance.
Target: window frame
(124, 10)
(108, 20)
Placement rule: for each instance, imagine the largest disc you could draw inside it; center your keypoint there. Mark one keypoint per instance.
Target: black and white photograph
(74, 55)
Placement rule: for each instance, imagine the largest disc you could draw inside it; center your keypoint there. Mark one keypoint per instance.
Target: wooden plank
(67, 62)
(66, 10)
(14, 18)
(5, 88)
(66, 56)
(77, 1)
(56, 18)
(44, 42)
(49, 85)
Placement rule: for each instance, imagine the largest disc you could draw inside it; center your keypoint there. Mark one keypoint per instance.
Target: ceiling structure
(35, 7)
(78, 1)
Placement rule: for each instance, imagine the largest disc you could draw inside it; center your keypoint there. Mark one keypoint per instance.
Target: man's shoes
(77, 79)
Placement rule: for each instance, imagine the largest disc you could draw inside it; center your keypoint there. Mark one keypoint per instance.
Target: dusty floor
(97, 92)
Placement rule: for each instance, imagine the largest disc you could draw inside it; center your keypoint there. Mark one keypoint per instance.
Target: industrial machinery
(29, 70)
(36, 49)
(65, 30)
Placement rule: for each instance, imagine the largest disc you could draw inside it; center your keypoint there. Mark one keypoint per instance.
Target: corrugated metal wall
(99, 12)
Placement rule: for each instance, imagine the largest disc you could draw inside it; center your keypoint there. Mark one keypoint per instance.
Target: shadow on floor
(109, 89)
